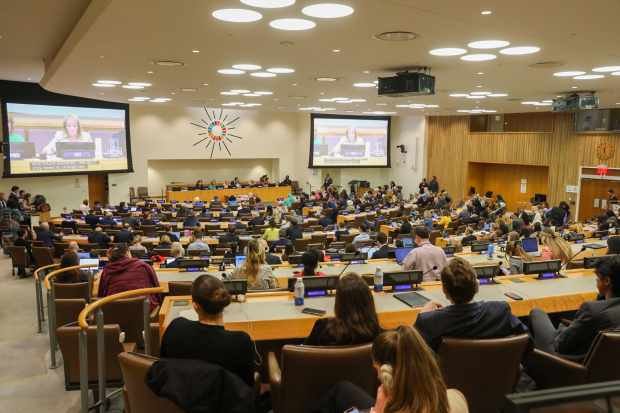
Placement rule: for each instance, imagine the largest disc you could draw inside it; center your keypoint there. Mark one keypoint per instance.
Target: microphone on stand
(349, 263)
(432, 269)
(580, 251)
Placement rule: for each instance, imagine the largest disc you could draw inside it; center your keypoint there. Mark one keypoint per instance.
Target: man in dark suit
(13, 195)
(108, 220)
(324, 221)
(466, 318)
(331, 203)
(216, 201)
(574, 341)
(464, 214)
(21, 241)
(269, 259)
(47, 236)
(244, 210)
(240, 225)
(613, 199)
(433, 185)
(226, 214)
(280, 241)
(293, 232)
(383, 251)
(256, 220)
(2, 201)
(176, 250)
(131, 221)
(204, 213)
(92, 219)
(230, 237)
(173, 237)
(468, 238)
(160, 215)
(147, 220)
(328, 181)
(125, 235)
(98, 237)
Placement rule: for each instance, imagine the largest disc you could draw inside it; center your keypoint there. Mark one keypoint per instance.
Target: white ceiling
(132, 33)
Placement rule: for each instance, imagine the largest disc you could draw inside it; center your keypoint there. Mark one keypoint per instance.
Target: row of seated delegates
(255, 269)
(123, 273)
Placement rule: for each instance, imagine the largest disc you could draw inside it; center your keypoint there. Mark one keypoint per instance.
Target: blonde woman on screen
(71, 132)
(350, 138)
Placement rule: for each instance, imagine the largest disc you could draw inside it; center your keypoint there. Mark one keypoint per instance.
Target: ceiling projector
(407, 84)
(575, 102)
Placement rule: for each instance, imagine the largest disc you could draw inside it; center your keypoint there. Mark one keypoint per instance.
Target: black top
(232, 350)
(504, 229)
(272, 259)
(256, 221)
(320, 335)
(91, 220)
(99, 238)
(294, 232)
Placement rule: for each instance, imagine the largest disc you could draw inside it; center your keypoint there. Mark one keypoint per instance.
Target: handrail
(86, 311)
(36, 275)
(51, 274)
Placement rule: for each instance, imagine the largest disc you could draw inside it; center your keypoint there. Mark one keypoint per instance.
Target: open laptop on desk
(530, 245)
(401, 253)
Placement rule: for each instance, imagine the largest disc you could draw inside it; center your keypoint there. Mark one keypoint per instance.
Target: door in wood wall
(592, 190)
(96, 189)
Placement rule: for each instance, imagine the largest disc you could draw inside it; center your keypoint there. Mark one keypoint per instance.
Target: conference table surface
(268, 194)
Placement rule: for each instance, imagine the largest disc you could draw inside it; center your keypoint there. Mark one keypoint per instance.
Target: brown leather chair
(319, 239)
(301, 244)
(484, 370)
(461, 229)
(20, 260)
(163, 252)
(220, 252)
(88, 247)
(440, 227)
(575, 264)
(357, 221)
(307, 373)
(44, 256)
(347, 238)
(71, 291)
(449, 231)
(67, 311)
(177, 288)
(336, 244)
(434, 235)
(59, 248)
(149, 229)
(199, 252)
(454, 224)
(601, 364)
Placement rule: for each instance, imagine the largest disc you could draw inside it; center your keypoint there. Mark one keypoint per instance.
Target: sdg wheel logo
(217, 131)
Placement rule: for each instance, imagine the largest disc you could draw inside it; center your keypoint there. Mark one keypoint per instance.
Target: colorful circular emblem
(217, 130)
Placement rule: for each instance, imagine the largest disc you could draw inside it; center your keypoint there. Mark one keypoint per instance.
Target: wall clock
(217, 132)
(605, 150)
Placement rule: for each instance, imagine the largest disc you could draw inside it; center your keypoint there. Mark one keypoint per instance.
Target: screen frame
(34, 94)
(314, 116)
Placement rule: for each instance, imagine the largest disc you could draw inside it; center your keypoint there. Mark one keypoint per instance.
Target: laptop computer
(407, 242)
(530, 245)
(90, 261)
(178, 234)
(401, 253)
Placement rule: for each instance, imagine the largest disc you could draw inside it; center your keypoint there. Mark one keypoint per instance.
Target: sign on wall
(572, 188)
(217, 132)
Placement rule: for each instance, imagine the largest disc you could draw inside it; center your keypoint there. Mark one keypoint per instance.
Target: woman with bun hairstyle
(207, 339)
(411, 381)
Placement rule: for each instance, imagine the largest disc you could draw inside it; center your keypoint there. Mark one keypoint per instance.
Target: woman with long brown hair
(70, 259)
(410, 377)
(555, 248)
(516, 257)
(255, 269)
(356, 320)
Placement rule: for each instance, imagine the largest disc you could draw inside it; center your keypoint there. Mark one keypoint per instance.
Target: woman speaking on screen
(350, 138)
(71, 132)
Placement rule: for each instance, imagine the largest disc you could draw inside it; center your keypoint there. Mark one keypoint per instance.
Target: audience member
(171, 236)
(137, 243)
(554, 248)
(363, 236)
(428, 221)
(177, 252)
(198, 243)
(350, 248)
(613, 245)
(126, 235)
(270, 259)
(383, 250)
(70, 259)
(191, 221)
(100, 238)
(21, 241)
(46, 235)
(255, 269)
(294, 232)
(92, 219)
(84, 207)
(405, 227)
(311, 260)
(426, 256)
(469, 237)
(132, 221)
(289, 249)
(342, 230)
(165, 243)
(516, 258)
(108, 220)
(271, 233)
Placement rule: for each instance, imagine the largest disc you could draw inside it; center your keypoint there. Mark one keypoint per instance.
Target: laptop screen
(369, 250)
(407, 241)
(239, 260)
(487, 227)
(83, 255)
(401, 253)
(90, 261)
(169, 260)
(178, 234)
(529, 244)
(134, 209)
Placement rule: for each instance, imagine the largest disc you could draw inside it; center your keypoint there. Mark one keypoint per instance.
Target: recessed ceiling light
(343, 101)
(547, 101)
(237, 15)
(543, 104)
(529, 103)
(240, 91)
(349, 111)
(616, 73)
(103, 85)
(480, 93)
(264, 93)
(188, 89)
(149, 71)
(229, 93)
(326, 100)
(358, 100)
(251, 94)
(297, 97)
(498, 95)
(280, 70)
(109, 82)
(431, 106)
(327, 11)
(132, 87)
(138, 84)
(281, 107)
(475, 97)
(478, 57)
(467, 111)
(268, 4)
(231, 71)
(574, 73)
(364, 84)
(263, 74)
(459, 95)
(366, 71)
(486, 12)
(606, 69)
(195, 51)
(292, 24)
(490, 111)
(137, 100)
(255, 104)
(170, 63)
(396, 36)
(141, 98)
(336, 51)
(488, 44)
(246, 106)
(381, 104)
(574, 87)
(340, 98)
(157, 100)
(228, 104)
(448, 51)
(480, 73)
(589, 77)
(402, 106)
(520, 50)
(197, 102)
(246, 67)
(478, 86)
(327, 79)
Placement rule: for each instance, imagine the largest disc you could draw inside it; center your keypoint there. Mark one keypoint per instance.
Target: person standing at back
(425, 257)
(433, 185)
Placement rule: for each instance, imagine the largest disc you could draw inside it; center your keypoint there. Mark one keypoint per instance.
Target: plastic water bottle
(299, 292)
(490, 251)
(378, 280)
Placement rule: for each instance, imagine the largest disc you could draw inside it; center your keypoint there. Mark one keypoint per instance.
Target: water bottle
(299, 292)
(490, 251)
(378, 280)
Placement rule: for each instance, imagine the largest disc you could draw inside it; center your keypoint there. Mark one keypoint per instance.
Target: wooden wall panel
(452, 147)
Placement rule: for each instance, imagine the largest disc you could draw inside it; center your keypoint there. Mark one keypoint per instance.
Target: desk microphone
(240, 297)
(499, 267)
(432, 269)
(349, 263)
(580, 251)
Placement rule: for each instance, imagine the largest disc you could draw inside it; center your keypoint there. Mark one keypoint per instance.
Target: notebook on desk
(594, 246)
(412, 299)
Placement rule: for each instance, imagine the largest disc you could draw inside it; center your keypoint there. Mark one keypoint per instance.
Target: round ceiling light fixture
(268, 4)
(573, 73)
(478, 57)
(448, 51)
(588, 77)
(246, 67)
(263, 74)
(231, 71)
(237, 15)
(488, 44)
(292, 24)
(327, 10)
(280, 70)
(520, 50)
(168, 63)
(598, 69)
(396, 36)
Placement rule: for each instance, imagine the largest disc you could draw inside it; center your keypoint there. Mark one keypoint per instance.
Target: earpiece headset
(386, 376)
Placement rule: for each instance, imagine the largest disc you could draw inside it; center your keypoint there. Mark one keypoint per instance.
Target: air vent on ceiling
(397, 36)
(544, 65)
(515, 100)
(170, 63)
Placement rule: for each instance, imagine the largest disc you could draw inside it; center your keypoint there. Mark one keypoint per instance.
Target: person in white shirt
(71, 132)
(198, 244)
(363, 236)
(84, 207)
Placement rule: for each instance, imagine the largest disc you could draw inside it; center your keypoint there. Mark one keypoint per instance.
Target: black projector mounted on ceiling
(407, 84)
(575, 102)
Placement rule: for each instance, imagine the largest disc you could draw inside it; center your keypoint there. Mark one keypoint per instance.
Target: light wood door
(96, 189)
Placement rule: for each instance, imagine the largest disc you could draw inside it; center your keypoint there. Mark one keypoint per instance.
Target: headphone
(386, 376)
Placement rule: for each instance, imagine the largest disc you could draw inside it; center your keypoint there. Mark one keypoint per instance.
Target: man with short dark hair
(405, 227)
(147, 220)
(613, 199)
(216, 201)
(173, 237)
(91, 219)
(204, 213)
(342, 230)
(294, 232)
(99, 238)
(280, 241)
(160, 215)
(231, 236)
(363, 236)
(323, 220)
(125, 235)
(131, 221)
(465, 317)
(97, 206)
(433, 185)
(21, 241)
(383, 250)
(426, 256)
(328, 182)
(14, 194)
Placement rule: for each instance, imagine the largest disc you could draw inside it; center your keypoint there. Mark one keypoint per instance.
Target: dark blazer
(230, 238)
(23, 242)
(47, 236)
(159, 216)
(14, 197)
(148, 222)
(293, 233)
(325, 222)
(244, 210)
(124, 236)
(272, 259)
(433, 186)
(405, 228)
(91, 220)
(339, 233)
(279, 241)
(216, 203)
(173, 237)
(574, 342)
(107, 221)
(468, 239)
(99, 238)
(256, 221)
(241, 225)
(328, 182)
(133, 222)
(488, 319)
(383, 252)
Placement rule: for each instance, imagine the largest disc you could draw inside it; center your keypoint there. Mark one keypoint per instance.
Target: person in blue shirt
(47, 236)
(107, 220)
(280, 241)
(428, 221)
(191, 220)
(363, 236)
(331, 203)
(232, 200)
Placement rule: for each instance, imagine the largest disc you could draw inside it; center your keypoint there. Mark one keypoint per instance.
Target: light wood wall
(451, 147)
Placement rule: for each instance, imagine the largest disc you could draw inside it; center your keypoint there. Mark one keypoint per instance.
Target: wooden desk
(269, 194)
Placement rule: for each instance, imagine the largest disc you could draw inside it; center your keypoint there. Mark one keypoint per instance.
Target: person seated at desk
(440, 202)
(232, 200)
(46, 235)
(171, 236)
(383, 250)
(177, 252)
(372, 230)
(191, 220)
(574, 229)
(126, 235)
(516, 258)
(198, 243)
(240, 225)
(465, 317)
(256, 220)
(100, 238)
(213, 185)
(331, 203)
(204, 213)
(207, 339)
(97, 206)
(236, 182)
(70, 259)
(363, 236)
(280, 241)
(573, 342)
(244, 209)
(108, 220)
(286, 181)
(121, 208)
(464, 214)
(342, 230)
(324, 221)
(428, 221)
(136, 244)
(199, 184)
(216, 201)
(425, 257)
(289, 249)
(21, 241)
(445, 218)
(164, 243)
(311, 260)
(255, 269)
(231, 236)
(555, 248)
(405, 227)
(269, 213)
(131, 221)
(469, 237)
(148, 221)
(92, 219)
(160, 215)
(84, 207)
(271, 233)
(613, 245)
(473, 219)
(233, 250)
(270, 259)
(294, 232)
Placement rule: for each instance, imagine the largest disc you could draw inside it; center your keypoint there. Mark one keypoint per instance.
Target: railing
(51, 306)
(39, 294)
(100, 341)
